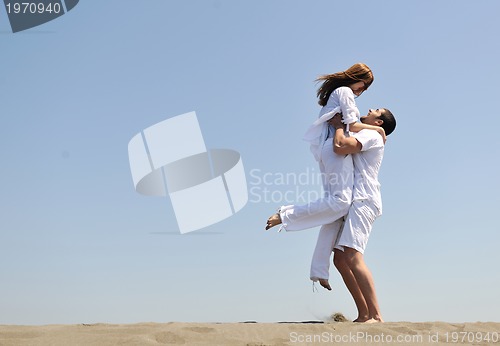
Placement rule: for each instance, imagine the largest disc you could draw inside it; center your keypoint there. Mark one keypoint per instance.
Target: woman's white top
(341, 100)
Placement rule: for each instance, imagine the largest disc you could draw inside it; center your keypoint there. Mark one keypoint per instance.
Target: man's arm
(343, 145)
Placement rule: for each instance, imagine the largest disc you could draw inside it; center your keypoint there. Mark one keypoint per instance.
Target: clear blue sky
(78, 244)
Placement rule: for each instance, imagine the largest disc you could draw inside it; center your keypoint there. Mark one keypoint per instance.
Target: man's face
(372, 117)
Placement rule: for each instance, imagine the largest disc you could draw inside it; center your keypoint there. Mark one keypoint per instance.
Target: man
(367, 149)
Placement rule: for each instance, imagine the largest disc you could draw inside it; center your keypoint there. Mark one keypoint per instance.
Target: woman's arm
(356, 127)
(350, 112)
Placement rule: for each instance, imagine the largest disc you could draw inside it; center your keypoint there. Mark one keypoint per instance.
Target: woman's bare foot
(273, 220)
(325, 284)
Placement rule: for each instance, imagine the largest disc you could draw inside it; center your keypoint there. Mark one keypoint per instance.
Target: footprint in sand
(200, 329)
(169, 338)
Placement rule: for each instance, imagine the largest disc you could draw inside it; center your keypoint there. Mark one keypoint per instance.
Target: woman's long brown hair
(356, 73)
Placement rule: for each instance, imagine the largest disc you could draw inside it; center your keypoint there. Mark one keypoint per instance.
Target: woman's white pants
(328, 212)
(337, 176)
(327, 237)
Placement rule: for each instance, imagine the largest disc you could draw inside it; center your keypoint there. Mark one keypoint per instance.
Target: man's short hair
(389, 121)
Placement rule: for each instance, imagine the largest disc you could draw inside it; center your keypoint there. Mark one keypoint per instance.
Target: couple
(349, 154)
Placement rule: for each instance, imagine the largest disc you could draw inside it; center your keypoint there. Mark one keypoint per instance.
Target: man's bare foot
(273, 220)
(325, 284)
(361, 319)
(373, 320)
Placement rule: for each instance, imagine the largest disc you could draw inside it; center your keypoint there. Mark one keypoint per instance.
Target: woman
(337, 95)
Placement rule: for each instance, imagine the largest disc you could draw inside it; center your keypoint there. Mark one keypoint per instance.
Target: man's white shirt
(366, 167)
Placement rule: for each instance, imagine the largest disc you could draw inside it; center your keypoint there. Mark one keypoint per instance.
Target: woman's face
(358, 88)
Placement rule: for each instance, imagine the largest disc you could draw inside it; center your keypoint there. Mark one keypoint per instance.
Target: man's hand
(336, 121)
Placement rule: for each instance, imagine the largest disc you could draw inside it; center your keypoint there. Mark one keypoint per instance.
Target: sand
(253, 334)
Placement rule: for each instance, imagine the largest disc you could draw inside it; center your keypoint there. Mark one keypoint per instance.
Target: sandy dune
(400, 333)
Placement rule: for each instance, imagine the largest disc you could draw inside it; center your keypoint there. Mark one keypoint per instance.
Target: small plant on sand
(338, 317)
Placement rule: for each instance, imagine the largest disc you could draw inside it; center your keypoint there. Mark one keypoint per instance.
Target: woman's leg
(320, 264)
(337, 175)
